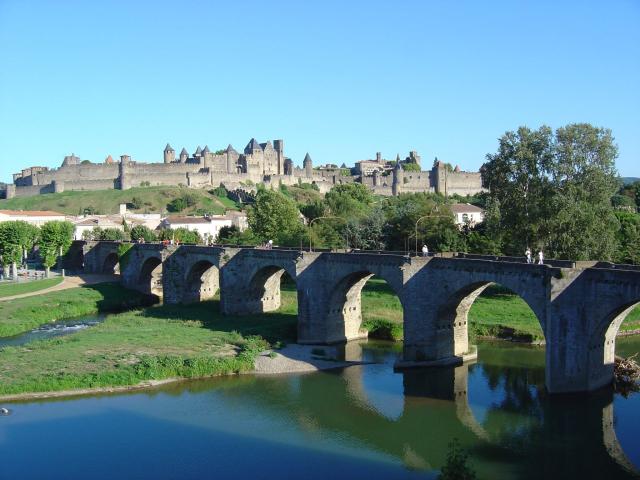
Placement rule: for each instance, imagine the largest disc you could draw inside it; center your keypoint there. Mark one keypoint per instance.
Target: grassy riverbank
(11, 289)
(24, 314)
(153, 344)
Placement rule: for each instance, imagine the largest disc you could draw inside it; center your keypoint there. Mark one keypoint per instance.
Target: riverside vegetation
(161, 342)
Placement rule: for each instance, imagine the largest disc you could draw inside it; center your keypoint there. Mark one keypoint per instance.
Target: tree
(275, 217)
(349, 200)
(411, 167)
(142, 232)
(553, 191)
(55, 240)
(233, 236)
(112, 234)
(16, 239)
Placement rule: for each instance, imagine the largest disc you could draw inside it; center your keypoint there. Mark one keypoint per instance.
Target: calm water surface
(360, 422)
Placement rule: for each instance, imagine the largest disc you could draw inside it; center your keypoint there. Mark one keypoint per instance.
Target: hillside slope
(139, 200)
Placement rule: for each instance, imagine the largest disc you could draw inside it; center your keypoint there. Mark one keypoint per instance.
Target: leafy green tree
(112, 234)
(142, 232)
(628, 238)
(55, 240)
(314, 209)
(349, 200)
(233, 236)
(184, 235)
(275, 217)
(411, 167)
(553, 191)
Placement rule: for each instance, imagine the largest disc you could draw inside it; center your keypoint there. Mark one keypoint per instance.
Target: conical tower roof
(230, 149)
(307, 158)
(252, 145)
(205, 149)
(184, 152)
(168, 148)
(198, 150)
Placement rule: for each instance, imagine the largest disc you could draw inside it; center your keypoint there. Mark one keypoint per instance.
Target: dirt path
(68, 282)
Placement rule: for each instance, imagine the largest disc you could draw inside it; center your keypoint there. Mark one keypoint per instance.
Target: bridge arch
(344, 306)
(602, 343)
(150, 276)
(201, 282)
(453, 315)
(263, 292)
(111, 264)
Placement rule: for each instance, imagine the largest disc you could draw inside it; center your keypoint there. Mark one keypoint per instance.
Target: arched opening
(202, 282)
(265, 293)
(493, 311)
(111, 264)
(361, 304)
(150, 278)
(602, 344)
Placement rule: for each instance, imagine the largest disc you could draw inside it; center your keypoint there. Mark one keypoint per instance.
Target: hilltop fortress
(259, 163)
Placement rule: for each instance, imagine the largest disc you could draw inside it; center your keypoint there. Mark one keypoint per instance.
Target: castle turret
(198, 154)
(123, 178)
(398, 179)
(252, 147)
(279, 147)
(232, 160)
(308, 166)
(169, 154)
(184, 155)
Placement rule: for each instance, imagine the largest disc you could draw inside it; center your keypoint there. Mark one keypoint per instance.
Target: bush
(177, 205)
(220, 191)
(142, 232)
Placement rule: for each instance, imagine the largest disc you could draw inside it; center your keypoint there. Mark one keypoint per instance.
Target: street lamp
(319, 218)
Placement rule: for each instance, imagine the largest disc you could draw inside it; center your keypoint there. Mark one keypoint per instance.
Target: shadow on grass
(272, 326)
(116, 298)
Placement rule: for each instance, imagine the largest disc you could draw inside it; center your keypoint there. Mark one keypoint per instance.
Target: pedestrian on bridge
(540, 257)
(529, 256)
(425, 251)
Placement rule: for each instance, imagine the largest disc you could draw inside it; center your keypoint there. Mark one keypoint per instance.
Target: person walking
(540, 257)
(528, 254)
(269, 244)
(425, 251)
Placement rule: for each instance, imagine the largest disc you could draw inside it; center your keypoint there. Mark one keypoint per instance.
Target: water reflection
(366, 419)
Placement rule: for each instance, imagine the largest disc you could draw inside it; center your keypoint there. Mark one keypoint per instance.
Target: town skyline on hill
(340, 81)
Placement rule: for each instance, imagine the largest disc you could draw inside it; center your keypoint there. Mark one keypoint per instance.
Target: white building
(207, 227)
(34, 217)
(467, 214)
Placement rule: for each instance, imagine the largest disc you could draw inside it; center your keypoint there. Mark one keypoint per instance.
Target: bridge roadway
(580, 305)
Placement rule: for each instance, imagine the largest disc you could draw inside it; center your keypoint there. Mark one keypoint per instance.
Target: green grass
(24, 314)
(10, 289)
(152, 344)
(153, 200)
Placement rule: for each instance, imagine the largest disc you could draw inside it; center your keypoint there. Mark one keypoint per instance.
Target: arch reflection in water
(512, 428)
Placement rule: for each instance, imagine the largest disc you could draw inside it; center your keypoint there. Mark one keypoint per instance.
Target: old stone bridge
(580, 305)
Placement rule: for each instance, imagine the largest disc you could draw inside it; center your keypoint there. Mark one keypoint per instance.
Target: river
(359, 422)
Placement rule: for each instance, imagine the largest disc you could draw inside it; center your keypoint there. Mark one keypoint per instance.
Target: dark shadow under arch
(602, 344)
(201, 282)
(150, 278)
(111, 264)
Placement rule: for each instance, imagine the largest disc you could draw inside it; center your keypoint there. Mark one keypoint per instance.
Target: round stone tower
(308, 166)
(169, 154)
(398, 179)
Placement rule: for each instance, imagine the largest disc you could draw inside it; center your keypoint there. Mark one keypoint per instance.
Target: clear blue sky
(338, 79)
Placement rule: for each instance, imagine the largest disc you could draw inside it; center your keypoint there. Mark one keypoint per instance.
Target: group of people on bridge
(529, 256)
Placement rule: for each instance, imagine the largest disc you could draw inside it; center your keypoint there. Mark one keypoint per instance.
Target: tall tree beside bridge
(553, 191)
(55, 240)
(275, 216)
